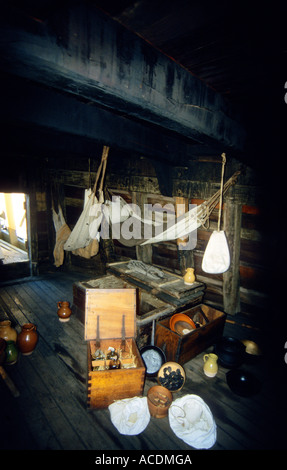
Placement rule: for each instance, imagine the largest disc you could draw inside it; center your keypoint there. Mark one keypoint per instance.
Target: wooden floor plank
(48, 420)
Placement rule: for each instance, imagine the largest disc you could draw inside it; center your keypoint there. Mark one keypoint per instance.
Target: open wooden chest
(183, 347)
(110, 323)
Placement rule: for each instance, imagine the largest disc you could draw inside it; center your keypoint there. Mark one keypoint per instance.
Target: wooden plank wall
(135, 178)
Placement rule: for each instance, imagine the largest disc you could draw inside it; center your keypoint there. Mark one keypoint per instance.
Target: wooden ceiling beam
(80, 51)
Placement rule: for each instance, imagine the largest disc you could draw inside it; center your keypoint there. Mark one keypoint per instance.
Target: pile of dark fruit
(172, 379)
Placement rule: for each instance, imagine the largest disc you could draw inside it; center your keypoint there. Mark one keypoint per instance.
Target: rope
(221, 190)
(206, 208)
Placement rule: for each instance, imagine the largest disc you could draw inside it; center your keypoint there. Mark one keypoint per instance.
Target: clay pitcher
(7, 332)
(64, 311)
(11, 353)
(27, 339)
(210, 367)
(189, 276)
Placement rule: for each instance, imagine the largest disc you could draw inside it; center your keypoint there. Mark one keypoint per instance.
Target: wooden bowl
(159, 400)
(253, 352)
(181, 324)
(251, 347)
(172, 376)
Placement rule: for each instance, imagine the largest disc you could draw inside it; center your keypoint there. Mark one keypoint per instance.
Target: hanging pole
(102, 167)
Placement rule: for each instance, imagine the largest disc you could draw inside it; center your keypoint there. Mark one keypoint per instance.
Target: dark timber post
(231, 278)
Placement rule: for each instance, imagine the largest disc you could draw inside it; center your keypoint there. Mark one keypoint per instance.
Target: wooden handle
(13, 389)
(102, 167)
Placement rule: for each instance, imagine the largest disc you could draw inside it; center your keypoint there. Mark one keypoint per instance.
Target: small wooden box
(182, 348)
(110, 316)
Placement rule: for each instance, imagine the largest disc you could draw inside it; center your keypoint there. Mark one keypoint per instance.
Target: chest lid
(110, 313)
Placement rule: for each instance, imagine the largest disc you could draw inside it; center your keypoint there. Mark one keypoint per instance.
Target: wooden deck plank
(23, 436)
(52, 382)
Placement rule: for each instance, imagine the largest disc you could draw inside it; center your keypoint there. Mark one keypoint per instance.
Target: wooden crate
(171, 288)
(110, 316)
(182, 348)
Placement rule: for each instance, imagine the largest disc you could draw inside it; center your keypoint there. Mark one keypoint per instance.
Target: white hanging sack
(216, 258)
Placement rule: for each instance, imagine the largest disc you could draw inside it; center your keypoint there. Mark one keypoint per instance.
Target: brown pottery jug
(64, 311)
(7, 332)
(27, 339)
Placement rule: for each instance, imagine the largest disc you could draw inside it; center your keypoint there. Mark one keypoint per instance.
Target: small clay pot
(230, 352)
(7, 332)
(189, 277)
(27, 339)
(11, 353)
(64, 311)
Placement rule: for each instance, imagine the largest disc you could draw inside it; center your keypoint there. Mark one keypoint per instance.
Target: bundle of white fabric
(191, 420)
(130, 416)
(216, 258)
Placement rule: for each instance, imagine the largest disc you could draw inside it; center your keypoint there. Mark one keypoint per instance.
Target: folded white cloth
(191, 420)
(130, 416)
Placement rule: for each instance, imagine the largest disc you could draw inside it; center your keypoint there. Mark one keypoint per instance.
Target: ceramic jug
(11, 352)
(189, 276)
(64, 311)
(27, 339)
(210, 367)
(7, 332)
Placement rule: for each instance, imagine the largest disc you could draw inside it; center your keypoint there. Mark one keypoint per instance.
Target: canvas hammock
(80, 241)
(82, 235)
(192, 220)
(119, 211)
